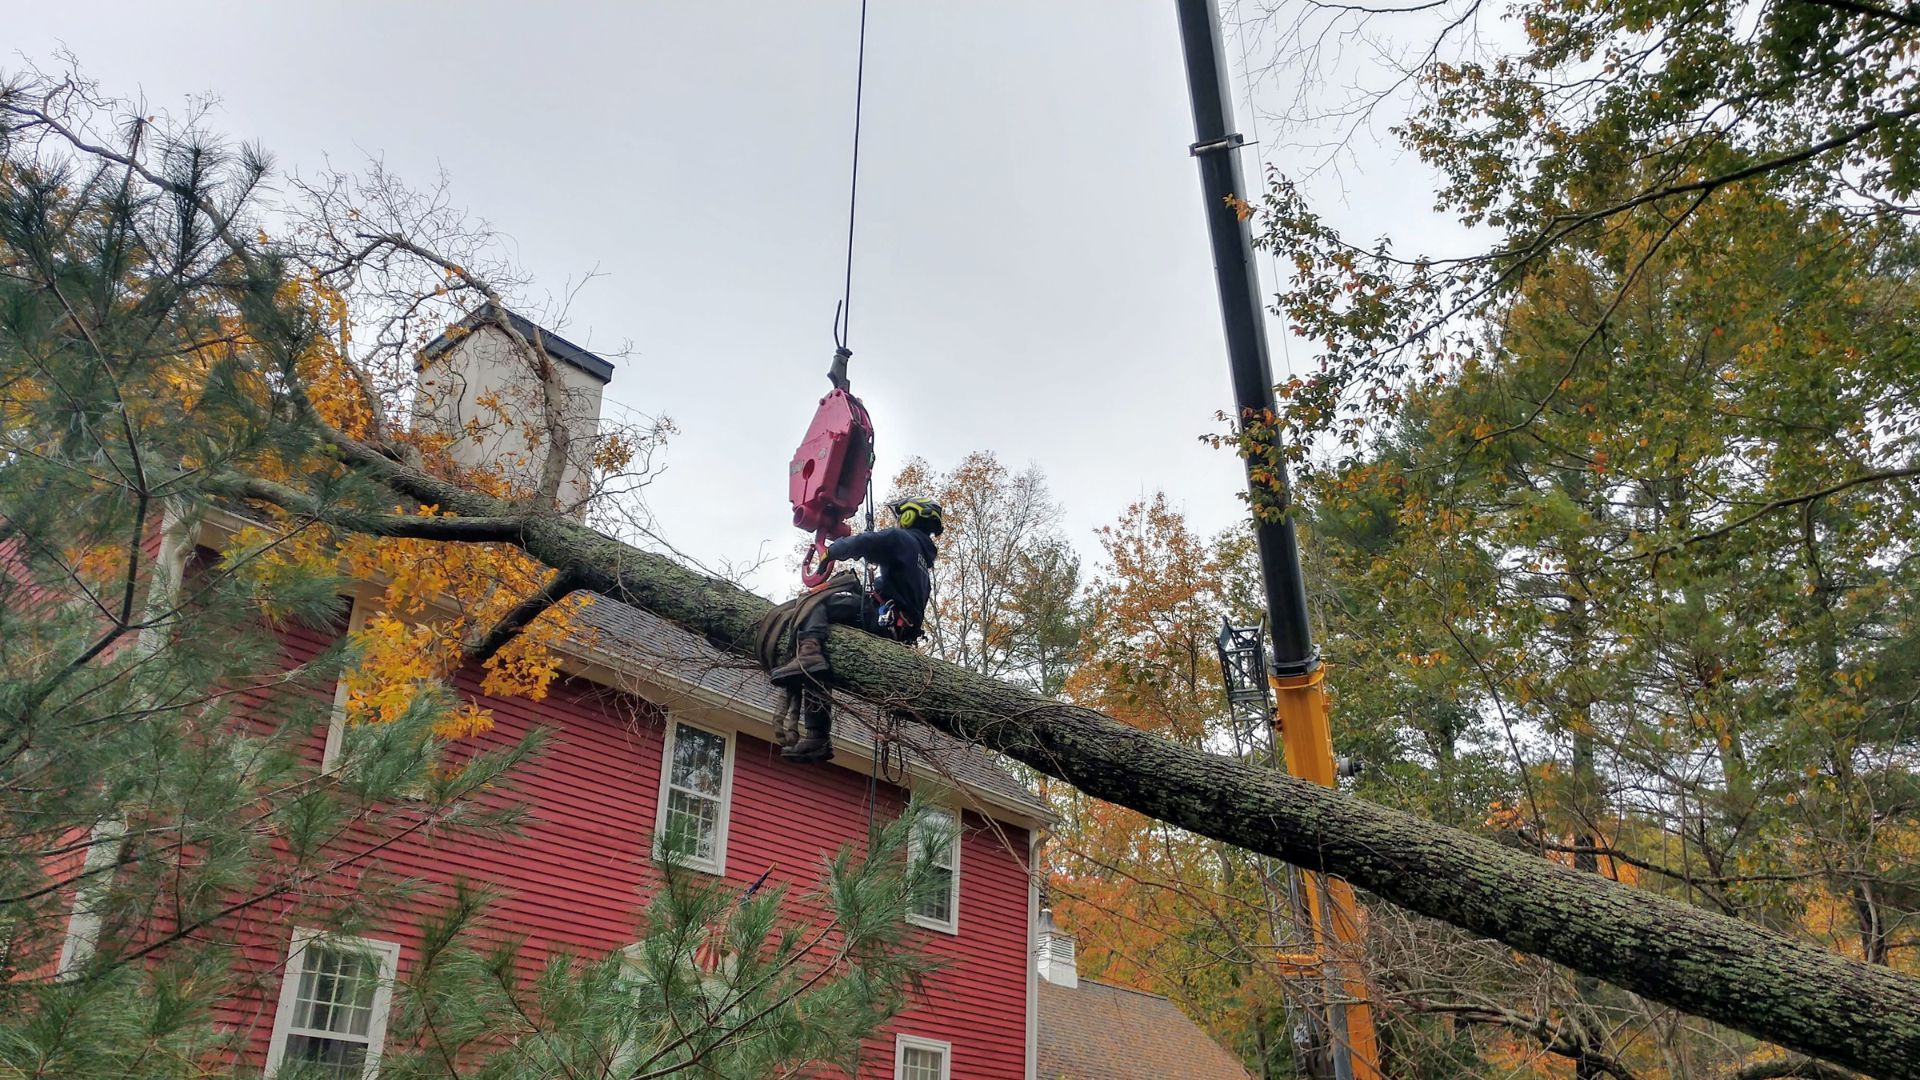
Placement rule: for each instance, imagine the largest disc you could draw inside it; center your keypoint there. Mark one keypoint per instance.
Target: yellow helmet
(922, 514)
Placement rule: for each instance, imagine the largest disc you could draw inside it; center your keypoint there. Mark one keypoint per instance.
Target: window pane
(328, 1057)
(933, 845)
(699, 760)
(336, 991)
(935, 838)
(693, 822)
(917, 1063)
(937, 902)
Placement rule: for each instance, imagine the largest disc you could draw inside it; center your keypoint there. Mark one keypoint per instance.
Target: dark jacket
(905, 561)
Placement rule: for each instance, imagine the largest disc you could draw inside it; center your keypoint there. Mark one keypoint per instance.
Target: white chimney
(1054, 954)
(471, 375)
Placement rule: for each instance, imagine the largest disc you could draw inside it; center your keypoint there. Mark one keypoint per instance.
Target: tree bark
(1731, 972)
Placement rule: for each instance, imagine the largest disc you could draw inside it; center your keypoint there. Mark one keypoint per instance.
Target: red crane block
(827, 479)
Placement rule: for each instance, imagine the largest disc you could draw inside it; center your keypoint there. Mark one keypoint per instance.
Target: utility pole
(1300, 698)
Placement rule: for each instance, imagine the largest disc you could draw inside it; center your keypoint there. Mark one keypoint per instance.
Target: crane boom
(1300, 698)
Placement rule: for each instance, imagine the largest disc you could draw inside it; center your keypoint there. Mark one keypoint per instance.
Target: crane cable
(842, 323)
(843, 311)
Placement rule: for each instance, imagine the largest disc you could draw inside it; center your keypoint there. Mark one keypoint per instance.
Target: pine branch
(472, 530)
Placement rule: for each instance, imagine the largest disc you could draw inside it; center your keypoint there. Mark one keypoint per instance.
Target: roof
(636, 642)
(1101, 1032)
(557, 347)
(639, 642)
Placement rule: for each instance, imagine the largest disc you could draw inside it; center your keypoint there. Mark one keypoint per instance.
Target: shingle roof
(636, 641)
(1101, 1032)
(642, 643)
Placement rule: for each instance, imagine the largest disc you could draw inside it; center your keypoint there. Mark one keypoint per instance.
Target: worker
(904, 555)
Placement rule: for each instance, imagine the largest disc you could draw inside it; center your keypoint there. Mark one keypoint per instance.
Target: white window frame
(952, 924)
(388, 954)
(716, 986)
(904, 1043)
(337, 719)
(718, 864)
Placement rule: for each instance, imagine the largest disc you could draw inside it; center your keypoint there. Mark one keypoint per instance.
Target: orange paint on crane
(1300, 710)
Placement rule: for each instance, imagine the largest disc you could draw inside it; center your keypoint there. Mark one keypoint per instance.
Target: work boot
(809, 662)
(786, 730)
(817, 744)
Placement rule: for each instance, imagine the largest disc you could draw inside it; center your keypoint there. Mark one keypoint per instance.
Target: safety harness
(777, 636)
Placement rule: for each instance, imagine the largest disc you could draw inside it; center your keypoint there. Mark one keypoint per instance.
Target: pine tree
(157, 782)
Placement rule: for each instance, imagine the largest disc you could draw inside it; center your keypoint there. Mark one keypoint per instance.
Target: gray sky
(1032, 274)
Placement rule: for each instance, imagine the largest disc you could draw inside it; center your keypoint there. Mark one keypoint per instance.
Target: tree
(1631, 475)
(1153, 615)
(1005, 580)
(157, 780)
(1156, 906)
(1639, 117)
(1699, 720)
(1753, 979)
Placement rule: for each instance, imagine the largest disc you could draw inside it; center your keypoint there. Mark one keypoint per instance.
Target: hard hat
(917, 513)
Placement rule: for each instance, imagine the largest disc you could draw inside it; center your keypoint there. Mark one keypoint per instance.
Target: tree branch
(561, 585)
(1790, 1068)
(1553, 1037)
(1777, 504)
(1561, 226)
(468, 530)
(1856, 7)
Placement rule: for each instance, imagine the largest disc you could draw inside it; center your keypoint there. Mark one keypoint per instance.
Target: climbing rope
(889, 762)
(843, 311)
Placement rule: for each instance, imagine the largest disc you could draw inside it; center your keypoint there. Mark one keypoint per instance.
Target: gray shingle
(1101, 1032)
(638, 641)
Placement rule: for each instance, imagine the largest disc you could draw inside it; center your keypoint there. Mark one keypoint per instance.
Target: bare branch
(558, 588)
(1777, 504)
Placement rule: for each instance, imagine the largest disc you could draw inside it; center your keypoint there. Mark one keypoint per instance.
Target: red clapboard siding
(577, 877)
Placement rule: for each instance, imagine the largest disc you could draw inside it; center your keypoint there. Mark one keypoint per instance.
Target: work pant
(843, 609)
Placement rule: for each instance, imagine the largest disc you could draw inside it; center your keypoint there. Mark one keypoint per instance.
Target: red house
(649, 724)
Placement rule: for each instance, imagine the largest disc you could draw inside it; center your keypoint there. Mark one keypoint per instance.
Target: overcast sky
(1032, 274)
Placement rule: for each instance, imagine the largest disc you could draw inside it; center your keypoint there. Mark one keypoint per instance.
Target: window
(714, 999)
(921, 1059)
(691, 828)
(936, 844)
(333, 1005)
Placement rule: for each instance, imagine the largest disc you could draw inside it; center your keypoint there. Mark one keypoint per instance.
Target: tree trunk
(1586, 809)
(1728, 971)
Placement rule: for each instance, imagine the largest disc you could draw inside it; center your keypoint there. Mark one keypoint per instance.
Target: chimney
(1054, 955)
(473, 387)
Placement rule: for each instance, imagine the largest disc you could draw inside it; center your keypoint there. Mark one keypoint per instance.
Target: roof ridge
(1128, 989)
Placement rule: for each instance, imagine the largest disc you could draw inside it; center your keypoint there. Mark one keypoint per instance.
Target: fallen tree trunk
(1731, 972)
